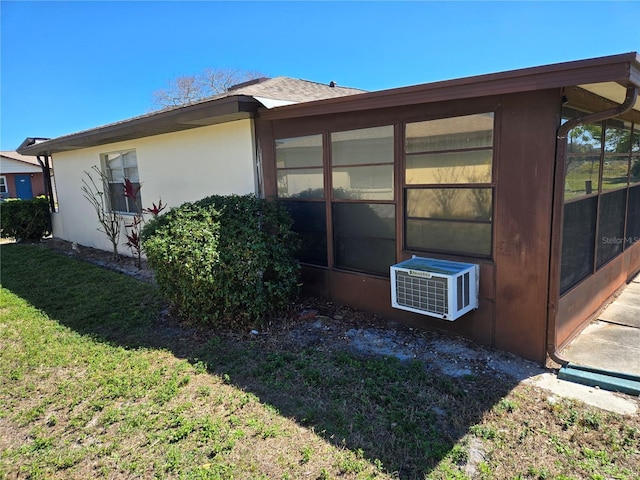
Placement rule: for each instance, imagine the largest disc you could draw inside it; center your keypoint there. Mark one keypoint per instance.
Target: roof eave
(623, 69)
(200, 114)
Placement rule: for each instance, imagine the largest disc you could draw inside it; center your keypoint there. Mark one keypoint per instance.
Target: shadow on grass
(404, 414)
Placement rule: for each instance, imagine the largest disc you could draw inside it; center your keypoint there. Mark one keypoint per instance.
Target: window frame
(329, 198)
(333, 201)
(4, 186)
(132, 208)
(489, 185)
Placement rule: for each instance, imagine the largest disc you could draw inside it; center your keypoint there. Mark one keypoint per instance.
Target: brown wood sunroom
(464, 170)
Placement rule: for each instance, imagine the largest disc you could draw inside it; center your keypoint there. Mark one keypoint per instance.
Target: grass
(96, 383)
(614, 176)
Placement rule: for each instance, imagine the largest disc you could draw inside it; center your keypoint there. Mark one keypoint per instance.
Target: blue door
(23, 187)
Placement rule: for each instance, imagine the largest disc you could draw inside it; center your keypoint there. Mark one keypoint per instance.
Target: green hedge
(226, 261)
(25, 220)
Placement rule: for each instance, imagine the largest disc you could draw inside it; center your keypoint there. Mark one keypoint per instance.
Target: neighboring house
(531, 174)
(20, 176)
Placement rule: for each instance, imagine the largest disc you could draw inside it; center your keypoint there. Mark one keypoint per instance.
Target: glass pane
(450, 203)
(364, 220)
(611, 226)
(368, 145)
(134, 207)
(615, 171)
(635, 155)
(299, 152)
(633, 216)
(583, 161)
(310, 223)
(132, 174)
(459, 237)
(578, 242)
(303, 183)
(617, 145)
(364, 236)
(363, 183)
(118, 200)
(634, 174)
(115, 170)
(469, 131)
(617, 138)
(440, 168)
(129, 160)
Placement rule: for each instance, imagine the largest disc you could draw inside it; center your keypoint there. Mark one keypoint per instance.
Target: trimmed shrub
(226, 261)
(25, 220)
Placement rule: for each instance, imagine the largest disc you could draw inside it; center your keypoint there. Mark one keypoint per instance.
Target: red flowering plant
(134, 240)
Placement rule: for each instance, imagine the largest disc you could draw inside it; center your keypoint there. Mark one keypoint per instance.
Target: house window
(601, 197)
(118, 167)
(363, 199)
(341, 182)
(449, 186)
(3, 185)
(300, 176)
(299, 167)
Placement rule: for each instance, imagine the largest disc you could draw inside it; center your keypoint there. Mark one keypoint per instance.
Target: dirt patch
(321, 324)
(122, 264)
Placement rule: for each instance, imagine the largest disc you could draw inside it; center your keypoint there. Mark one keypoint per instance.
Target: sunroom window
(449, 186)
(363, 199)
(300, 175)
(601, 196)
(118, 167)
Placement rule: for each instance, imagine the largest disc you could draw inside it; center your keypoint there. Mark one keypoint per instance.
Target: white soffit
(610, 90)
(272, 103)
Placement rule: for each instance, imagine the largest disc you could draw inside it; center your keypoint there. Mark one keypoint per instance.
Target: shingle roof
(238, 102)
(293, 90)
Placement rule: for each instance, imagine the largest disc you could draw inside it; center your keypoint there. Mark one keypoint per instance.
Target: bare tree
(95, 192)
(192, 88)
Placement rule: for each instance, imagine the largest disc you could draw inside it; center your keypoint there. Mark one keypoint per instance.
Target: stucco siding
(176, 167)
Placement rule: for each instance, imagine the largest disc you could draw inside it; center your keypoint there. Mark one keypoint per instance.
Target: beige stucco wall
(177, 167)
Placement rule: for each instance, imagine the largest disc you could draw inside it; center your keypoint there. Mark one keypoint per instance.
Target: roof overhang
(606, 76)
(211, 112)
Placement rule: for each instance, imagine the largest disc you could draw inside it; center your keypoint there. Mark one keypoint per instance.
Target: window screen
(310, 223)
(364, 236)
(611, 226)
(578, 242)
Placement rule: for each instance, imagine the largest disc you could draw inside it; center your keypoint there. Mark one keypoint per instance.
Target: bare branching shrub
(94, 191)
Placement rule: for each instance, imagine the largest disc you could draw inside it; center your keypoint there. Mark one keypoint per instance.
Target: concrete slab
(607, 346)
(634, 285)
(589, 395)
(629, 297)
(621, 314)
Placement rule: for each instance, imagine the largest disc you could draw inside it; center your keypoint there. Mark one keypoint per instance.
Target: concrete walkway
(612, 342)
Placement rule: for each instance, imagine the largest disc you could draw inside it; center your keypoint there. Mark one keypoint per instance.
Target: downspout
(553, 296)
(48, 186)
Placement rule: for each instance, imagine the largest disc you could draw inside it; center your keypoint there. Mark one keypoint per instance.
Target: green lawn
(96, 383)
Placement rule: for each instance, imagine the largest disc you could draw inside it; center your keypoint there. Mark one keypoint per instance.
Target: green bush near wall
(25, 220)
(225, 261)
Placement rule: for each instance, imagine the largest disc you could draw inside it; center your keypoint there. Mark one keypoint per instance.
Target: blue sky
(69, 66)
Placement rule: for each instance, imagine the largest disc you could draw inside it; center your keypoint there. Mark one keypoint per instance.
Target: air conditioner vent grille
(429, 294)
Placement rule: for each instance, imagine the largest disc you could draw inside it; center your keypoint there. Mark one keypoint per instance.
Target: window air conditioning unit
(438, 288)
